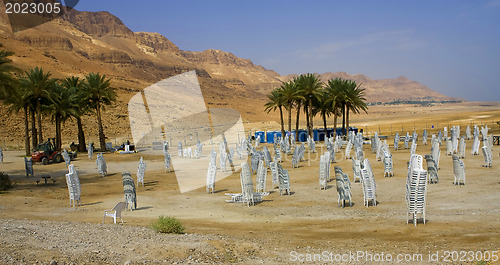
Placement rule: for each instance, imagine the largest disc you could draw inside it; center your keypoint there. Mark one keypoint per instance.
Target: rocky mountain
(387, 90)
(82, 42)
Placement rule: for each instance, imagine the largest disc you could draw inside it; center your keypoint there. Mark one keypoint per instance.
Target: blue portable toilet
(270, 137)
(262, 135)
(315, 135)
(322, 135)
(330, 132)
(339, 131)
(302, 136)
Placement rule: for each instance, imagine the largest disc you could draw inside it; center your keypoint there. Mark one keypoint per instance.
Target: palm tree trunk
(290, 123)
(347, 119)
(324, 124)
(39, 117)
(297, 122)
(311, 118)
(81, 135)
(343, 119)
(26, 131)
(34, 137)
(282, 123)
(58, 133)
(306, 108)
(335, 124)
(102, 140)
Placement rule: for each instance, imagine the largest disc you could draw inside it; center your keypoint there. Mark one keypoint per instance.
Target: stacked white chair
(407, 140)
(458, 170)
(356, 169)
(432, 170)
(267, 156)
(388, 167)
(101, 165)
(129, 191)
(416, 189)
(261, 177)
(223, 161)
(274, 173)
(74, 189)
(413, 148)
(247, 195)
(65, 156)
(369, 187)
(348, 150)
(449, 147)
(246, 184)
(461, 147)
(488, 157)
(212, 172)
(295, 157)
(475, 145)
(141, 170)
(284, 180)
(277, 154)
(179, 149)
(90, 150)
(323, 163)
(343, 187)
(168, 161)
(436, 153)
(396, 142)
(327, 161)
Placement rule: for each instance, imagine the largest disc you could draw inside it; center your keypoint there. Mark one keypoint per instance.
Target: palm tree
(276, 102)
(324, 107)
(63, 106)
(38, 85)
(288, 91)
(10, 92)
(354, 99)
(336, 97)
(298, 101)
(18, 101)
(81, 100)
(8, 82)
(99, 93)
(310, 89)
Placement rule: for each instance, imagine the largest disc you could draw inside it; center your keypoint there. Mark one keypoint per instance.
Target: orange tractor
(46, 153)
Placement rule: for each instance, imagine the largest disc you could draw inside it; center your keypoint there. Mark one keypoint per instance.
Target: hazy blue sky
(449, 46)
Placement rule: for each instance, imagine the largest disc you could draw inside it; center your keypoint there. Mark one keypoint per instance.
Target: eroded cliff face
(79, 43)
(98, 24)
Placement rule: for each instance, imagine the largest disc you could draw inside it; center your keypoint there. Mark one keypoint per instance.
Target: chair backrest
(119, 207)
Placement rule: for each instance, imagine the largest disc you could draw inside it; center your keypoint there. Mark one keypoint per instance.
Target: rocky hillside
(82, 42)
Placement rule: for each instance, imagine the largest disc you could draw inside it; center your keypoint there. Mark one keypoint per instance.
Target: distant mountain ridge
(103, 38)
(79, 43)
(387, 90)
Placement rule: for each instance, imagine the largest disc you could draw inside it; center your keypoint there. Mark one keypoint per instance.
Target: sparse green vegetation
(170, 225)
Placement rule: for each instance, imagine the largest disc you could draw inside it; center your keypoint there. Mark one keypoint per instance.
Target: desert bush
(4, 182)
(168, 225)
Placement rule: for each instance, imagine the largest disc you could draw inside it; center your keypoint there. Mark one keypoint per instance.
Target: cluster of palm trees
(37, 94)
(308, 94)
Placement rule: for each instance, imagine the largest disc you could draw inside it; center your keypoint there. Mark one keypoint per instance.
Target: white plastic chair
(119, 207)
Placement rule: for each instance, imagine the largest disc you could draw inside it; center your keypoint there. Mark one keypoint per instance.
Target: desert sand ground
(37, 224)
